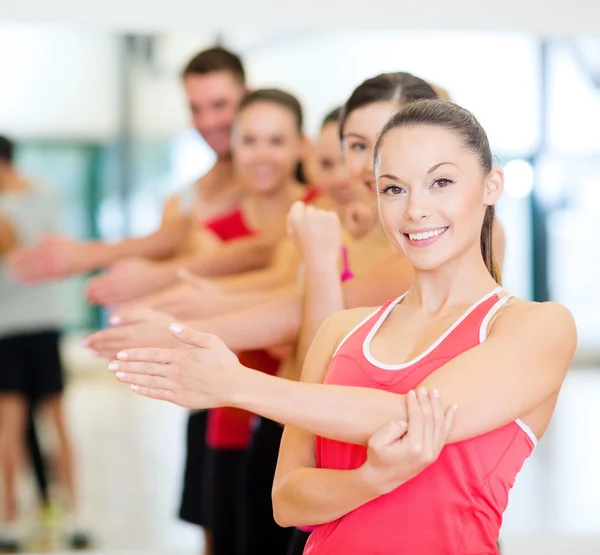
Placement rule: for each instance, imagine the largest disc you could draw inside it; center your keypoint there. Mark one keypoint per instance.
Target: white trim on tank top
(483, 331)
(367, 342)
(356, 328)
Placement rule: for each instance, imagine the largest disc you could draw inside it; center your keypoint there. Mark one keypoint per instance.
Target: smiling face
(214, 99)
(266, 146)
(333, 177)
(433, 194)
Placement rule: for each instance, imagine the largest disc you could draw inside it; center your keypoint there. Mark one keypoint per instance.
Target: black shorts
(30, 364)
(193, 495)
(298, 543)
(264, 535)
(225, 494)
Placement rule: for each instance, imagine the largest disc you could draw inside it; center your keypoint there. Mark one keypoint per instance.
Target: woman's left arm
(522, 364)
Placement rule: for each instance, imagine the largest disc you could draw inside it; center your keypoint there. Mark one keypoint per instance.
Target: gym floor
(130, 453)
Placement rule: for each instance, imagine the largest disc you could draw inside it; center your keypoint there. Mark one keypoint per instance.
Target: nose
(416, 206)
(206, 122)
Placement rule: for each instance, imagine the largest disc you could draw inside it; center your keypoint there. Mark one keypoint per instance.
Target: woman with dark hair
(371, 453)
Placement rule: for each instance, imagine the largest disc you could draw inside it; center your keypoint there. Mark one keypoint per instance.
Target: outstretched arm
(57, 256)
(126, 282)
(518, 368)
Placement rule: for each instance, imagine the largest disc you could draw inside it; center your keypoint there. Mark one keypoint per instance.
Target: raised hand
(317, 233)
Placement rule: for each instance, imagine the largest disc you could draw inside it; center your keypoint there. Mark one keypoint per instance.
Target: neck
(262, 209)
(218, 180)
(459, 282)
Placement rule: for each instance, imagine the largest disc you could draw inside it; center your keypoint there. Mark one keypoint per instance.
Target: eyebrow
(431, 170)
(358, 136)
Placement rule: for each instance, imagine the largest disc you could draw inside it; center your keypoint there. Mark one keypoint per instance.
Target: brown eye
(392, 190)
(441, 183)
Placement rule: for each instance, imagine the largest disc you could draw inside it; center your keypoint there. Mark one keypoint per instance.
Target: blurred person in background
(29, 348)
(214, 81)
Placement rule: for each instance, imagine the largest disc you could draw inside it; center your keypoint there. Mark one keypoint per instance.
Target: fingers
(130, 315)
(143, 380)
(388, 434)
(105, 290)
(137, 367)
(297, 210)
(189, 336)
(158, 356)
(159, 394)
(428, 444)
(414, 436)
(439, 420)
(294, 217)
(112, 340)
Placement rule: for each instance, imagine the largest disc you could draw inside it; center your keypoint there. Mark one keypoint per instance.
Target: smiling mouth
(426, 234)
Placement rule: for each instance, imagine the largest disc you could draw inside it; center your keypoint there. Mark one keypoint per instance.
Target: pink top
(346, 272)
(453, 507)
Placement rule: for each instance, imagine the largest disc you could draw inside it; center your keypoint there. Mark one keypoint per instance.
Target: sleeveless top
(454, 506)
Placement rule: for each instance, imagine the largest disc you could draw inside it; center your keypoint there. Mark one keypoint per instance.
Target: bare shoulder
(550, 324)
(340, 324)
(330, 335)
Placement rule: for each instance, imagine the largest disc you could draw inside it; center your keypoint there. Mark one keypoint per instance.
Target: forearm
(342, 413)
(232, 258)
(310, 496)
(251, 282)
(260, 327)
(323, 296)
(230, 304)
(157, 246)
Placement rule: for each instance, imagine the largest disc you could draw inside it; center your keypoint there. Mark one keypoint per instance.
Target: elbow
(262, 255)
(282, 509)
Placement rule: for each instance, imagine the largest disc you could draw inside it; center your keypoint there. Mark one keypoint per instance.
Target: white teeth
(427, 234)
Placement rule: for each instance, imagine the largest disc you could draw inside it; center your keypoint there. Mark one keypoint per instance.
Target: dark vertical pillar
(539, 213)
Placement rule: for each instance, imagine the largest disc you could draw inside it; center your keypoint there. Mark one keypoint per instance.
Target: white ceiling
(546, 17)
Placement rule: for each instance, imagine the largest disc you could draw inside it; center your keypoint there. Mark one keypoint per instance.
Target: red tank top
(453, 507)
(230, 428)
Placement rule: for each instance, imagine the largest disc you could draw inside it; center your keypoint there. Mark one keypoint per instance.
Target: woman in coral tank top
(360, 456)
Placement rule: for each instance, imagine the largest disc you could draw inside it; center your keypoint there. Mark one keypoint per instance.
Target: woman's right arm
(302, 494)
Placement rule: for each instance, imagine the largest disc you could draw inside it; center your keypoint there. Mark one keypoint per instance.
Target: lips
(426, 234)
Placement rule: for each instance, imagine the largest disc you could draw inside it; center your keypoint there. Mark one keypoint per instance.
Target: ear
(494, 186)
